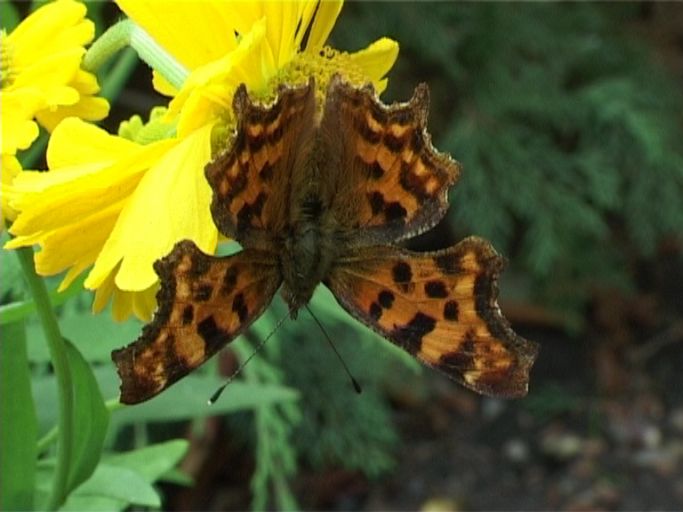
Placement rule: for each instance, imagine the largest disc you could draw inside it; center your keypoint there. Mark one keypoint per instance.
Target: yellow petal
(163, 86)
(50, 200)
(208, 90)
(10, 169)
(75, 245)
(376, 60)
(16, 111)
(322, 25)
(51, 29)
(89, 108)
(171, 203)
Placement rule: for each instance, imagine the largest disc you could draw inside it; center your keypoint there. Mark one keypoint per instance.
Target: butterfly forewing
(204, 302)
(253, 178)
(441, 308)
(387, 180)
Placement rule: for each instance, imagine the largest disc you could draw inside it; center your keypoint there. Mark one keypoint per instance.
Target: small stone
(516, 450)
(561, 445)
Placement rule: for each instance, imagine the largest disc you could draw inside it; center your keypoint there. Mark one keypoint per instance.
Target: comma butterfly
(321, 196)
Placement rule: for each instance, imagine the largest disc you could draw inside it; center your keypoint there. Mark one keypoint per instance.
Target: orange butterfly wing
(252, 180)
(204, 303)
(441, 308)
(386, 180)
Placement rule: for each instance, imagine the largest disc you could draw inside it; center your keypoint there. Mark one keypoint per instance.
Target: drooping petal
(51, 200)
(171, 203)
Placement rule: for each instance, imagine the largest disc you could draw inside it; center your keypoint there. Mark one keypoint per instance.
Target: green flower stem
(62, 371)
(126, 33)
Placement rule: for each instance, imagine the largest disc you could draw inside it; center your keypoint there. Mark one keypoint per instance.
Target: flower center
(7, 74)
(321, 66)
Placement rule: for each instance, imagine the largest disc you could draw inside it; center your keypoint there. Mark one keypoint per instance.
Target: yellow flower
(41, 68)
(118, 204)
(40, 78)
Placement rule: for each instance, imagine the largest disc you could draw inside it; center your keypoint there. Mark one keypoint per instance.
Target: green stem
(126, 33)
(62, 371)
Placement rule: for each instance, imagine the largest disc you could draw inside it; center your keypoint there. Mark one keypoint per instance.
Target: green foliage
(350, 430)
(569, 132)
(18, 440)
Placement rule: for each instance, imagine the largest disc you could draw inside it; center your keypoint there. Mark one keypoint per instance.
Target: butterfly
(324, 195)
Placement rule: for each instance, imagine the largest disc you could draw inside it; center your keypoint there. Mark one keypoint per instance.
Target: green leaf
(11, 281)
(95, 336)
(120, 485)
(18, 426)
(91, 419)
(151, 462)
(188, 399)
(177, 477)
(21, 309)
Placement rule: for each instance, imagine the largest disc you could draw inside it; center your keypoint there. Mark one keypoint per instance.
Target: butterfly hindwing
(441, 308)
(387, 181)
(204, 303)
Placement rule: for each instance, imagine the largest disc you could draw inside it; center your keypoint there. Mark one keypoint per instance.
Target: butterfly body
(323, 195)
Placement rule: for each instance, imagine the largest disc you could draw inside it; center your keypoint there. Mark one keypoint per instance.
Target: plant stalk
(60, 364)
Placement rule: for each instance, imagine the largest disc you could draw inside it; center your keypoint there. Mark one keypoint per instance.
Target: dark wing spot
(450, 310)
(375, 171)
(463, 357)
(409, 336)
(402, 273)
(202, 293)
(200, 266)
(267, 172)
(240, 307)
(378, 113)
(276, 135)
(413, 183)
(416, 142)
(386, 299)
(212, 335)
(255, 143)
(394, 211)
(393, 143)
(229, 280)
(448, 263)
(375, 311)
(188, 314)
(250, 210)
(366, 132)
(376, 202)
(436, 289)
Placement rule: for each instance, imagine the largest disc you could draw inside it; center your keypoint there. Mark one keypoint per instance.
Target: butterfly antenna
(257, 349)
(356, 386)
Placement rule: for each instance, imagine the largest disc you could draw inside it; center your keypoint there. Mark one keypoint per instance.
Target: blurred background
(568, 120)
